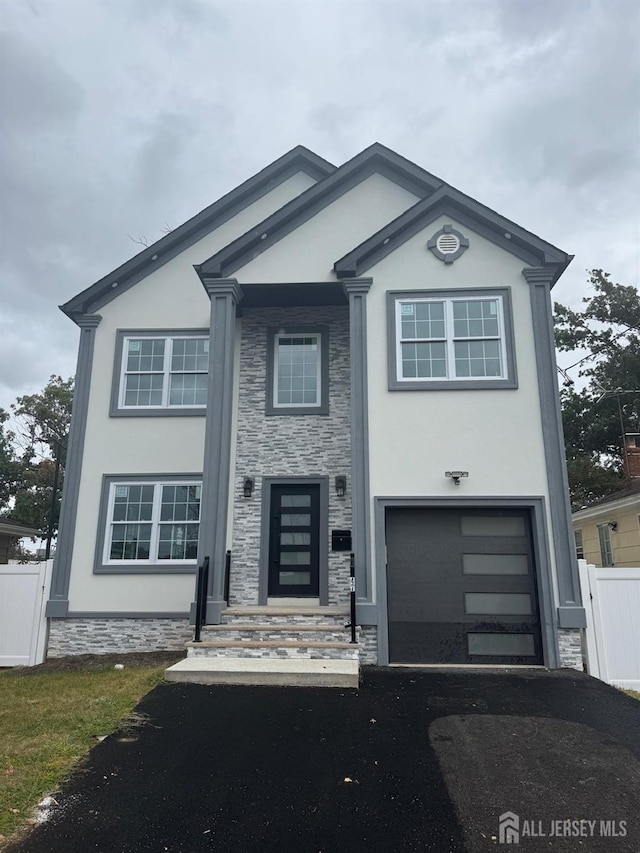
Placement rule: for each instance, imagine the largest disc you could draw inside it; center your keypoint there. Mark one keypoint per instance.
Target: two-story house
(325, 361)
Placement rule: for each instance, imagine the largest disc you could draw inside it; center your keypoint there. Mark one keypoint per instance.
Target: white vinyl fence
(612, 637)
(24, 590)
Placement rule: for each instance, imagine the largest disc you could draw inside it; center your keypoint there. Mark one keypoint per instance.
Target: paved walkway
(416, 760)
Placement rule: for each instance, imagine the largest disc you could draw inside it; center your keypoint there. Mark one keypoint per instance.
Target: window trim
(577, 534)
(509, 381)
(604, 528)
(322, 408)
(101, 565)
(116, 410)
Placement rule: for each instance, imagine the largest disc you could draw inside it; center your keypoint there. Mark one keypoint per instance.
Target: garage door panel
(455, 643)
(456, 598)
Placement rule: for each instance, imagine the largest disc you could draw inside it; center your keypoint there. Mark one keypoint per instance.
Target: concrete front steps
(296, 646)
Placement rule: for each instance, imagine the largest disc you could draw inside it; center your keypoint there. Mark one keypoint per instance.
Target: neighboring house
(607, 533)
(326, 360)
(10, 532)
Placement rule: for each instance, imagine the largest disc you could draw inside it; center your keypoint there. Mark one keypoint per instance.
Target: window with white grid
(297, 371)
(450, 339)
(164, 372)
(152, 523)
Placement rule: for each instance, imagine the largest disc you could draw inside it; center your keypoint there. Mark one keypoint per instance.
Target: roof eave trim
(488, 223)
(374, 159)
(299, 159)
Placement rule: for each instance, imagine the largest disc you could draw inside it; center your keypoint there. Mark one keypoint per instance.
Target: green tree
(608, 328)
(29, 451)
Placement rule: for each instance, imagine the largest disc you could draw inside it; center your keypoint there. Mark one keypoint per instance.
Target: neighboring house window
(297, 364)
(451, 339)
(160, 373)
(150, 523)
(577, 535)
(604, 537)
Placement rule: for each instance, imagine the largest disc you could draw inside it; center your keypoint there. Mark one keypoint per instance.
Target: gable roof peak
(298, 159)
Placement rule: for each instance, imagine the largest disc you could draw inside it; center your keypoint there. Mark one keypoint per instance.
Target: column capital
(87, 321)
(539, 275)
(357, 285)
(223, 287)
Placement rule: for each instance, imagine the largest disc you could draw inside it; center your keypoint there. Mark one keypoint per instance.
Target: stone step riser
(338, 635)
(284, 653)
(263, 619)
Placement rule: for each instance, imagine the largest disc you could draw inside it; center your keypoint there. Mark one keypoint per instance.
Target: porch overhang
(282, 294)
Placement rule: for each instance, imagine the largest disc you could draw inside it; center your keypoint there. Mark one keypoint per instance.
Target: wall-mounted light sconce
(247, 486)
(613, 525)
(341, 486)
(456, 475)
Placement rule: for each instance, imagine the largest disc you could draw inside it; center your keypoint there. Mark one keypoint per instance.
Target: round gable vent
(447, 244)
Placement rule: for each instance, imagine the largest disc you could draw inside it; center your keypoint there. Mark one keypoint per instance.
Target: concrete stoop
(295, 646)
(302, 672)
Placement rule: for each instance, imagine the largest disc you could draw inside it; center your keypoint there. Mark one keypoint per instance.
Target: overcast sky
(121, 116)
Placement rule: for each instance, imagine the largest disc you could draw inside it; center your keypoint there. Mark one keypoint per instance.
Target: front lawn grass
(633, 693)
(49, 720)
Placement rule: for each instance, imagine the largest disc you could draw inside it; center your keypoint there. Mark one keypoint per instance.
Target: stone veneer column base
(368, 640)
(111, 636)
(570, 648)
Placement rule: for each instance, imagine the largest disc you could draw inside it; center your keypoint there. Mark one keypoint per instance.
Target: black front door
(294, 528)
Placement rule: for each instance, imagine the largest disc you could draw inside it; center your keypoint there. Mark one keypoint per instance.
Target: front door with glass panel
(294, 541)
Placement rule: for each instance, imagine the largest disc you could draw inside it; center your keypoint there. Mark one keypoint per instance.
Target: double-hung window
(451, 339)
(161, 373)
(150, 524)
(297, 371)
(604, 540)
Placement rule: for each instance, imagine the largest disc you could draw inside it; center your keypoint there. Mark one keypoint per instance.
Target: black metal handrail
(227, 575)
(352, 597)
(202, 584)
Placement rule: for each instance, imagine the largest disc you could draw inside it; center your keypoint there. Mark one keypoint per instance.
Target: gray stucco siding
(298, 446)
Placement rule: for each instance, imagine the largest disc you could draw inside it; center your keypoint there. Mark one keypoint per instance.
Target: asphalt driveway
(415, 760)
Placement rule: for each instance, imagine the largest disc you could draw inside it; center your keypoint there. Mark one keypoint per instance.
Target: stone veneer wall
(294, 445)
(368, 639)
(570, 648)
(105, 636)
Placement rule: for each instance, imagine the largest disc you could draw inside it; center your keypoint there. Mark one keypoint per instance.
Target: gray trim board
(128, 614)
(357, 290)
(571, 613)
(509, 383)
(323, 408)
(225, 296)
(299, 159)
(162, 412)
(375, 159)
(101, 568)
(323, 556)
(58, 603)
(464, 210)
(544, 578)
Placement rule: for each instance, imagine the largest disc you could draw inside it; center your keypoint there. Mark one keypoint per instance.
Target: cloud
(121, 117)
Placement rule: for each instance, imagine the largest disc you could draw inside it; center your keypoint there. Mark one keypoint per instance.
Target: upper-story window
(297, 365)
(451, 339)
(160, 373)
